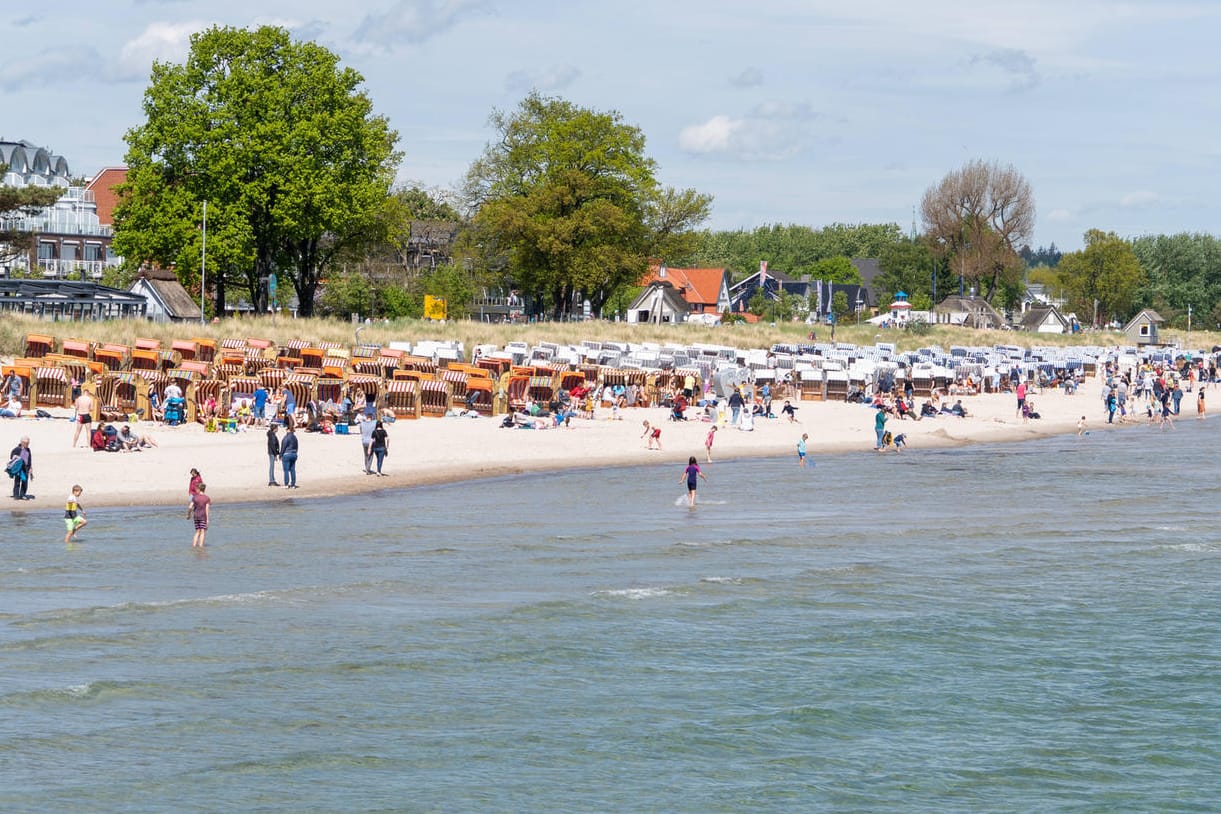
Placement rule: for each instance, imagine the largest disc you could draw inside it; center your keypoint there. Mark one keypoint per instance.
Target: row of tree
(280, 145)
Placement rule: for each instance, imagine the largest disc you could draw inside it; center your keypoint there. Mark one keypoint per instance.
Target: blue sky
(808, 112)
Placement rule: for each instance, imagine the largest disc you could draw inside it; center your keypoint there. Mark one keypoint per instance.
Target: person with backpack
(21, 469)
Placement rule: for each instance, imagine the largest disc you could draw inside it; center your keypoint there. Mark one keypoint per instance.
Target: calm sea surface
(1032, 627)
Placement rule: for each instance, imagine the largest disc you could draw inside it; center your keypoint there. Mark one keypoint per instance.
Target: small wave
(723, 580)
(633, 593)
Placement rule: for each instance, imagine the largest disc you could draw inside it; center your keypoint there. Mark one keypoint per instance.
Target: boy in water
(690, 474)
(200, 511)
(801, 449)
(74, 515)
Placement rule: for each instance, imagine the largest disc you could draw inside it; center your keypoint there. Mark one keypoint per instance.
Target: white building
(70, 241)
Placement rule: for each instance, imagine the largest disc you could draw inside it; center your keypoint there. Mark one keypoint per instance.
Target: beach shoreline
(436, 451)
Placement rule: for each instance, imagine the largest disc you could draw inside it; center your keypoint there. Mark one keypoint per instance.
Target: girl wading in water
(691, 473)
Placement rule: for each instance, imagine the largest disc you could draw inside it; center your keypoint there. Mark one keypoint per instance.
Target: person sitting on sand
(927, 410)
(97, 439)
(13, 408)
(959, 410)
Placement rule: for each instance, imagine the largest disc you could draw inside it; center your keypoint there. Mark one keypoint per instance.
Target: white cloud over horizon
(801, 111)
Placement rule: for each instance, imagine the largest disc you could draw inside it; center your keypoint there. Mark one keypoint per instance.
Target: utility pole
(203, 266)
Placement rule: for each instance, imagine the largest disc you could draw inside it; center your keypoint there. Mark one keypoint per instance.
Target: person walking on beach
(879, 426)
(260, 405)
(801, 449)
(366, 442)
(1081, 426)
(273, 452)
(288, 457)
(23, 473)
(201, 512)
(708, 442)
(1021, 397)
(380, 445)
(74, 515)
(654, 436)
(84, 416)
(691, 473)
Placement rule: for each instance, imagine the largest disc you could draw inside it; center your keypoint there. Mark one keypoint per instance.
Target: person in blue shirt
(260, 404)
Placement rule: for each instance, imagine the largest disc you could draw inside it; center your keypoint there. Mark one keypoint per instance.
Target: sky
(785, 111)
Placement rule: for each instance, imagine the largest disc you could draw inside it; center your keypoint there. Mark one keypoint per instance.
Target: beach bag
(14, 466)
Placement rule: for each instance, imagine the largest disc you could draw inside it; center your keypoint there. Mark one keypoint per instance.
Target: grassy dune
(13, 330)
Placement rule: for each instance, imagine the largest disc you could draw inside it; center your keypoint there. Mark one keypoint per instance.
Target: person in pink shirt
(1021, 397)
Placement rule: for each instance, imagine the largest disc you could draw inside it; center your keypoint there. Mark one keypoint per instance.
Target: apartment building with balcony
(69, 239)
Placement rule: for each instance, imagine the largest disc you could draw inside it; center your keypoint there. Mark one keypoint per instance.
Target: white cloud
(413, 21)
(1060, 216)
(772, 131)
(555, 77)
(165, 42)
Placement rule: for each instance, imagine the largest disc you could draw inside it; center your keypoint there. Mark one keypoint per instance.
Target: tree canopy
(792, 249)
(1103, 279)
(277, 138)
(566, 198)
(1181, 270)
(976, 217)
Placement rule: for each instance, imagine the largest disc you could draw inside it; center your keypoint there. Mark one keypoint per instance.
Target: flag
(818, 293)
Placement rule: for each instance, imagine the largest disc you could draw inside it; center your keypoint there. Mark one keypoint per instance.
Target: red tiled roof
(697, 286)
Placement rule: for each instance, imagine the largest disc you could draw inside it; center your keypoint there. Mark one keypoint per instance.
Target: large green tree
(1181, 270)
(277, 138)
(1102, 279)
(566, 199)
(909, 266)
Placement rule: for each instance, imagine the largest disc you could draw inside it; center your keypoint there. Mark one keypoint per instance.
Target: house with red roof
(677, 295)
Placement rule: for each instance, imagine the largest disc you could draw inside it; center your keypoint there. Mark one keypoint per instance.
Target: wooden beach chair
(403, 397)
(187, 349)
(435, 398)
(205, 349)
(457, 383)
(51, 388)
(78, 348)
(38, 345)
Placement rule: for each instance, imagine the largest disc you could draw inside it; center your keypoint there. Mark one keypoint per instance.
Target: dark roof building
(168, 301)
(71, 300)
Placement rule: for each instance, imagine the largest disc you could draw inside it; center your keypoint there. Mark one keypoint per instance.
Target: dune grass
(13, 329)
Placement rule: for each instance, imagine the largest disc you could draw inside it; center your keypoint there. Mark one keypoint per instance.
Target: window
(1144, 329)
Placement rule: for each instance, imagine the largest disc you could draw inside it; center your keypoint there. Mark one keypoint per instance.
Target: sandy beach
(436, 450)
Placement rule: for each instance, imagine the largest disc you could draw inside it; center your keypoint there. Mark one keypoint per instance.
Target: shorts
(84, 418)
(201, 525)
(801, 456)
(73, 523)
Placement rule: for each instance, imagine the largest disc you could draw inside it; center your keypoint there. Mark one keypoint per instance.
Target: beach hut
(1142, 329)
(79, 348)
(187, 349)
(51, 387)
(205, 349)
(38, 345)
(457, 382)
(113, 356)
(403, 398)
(516, 388)
(123, 396)
(435, 398)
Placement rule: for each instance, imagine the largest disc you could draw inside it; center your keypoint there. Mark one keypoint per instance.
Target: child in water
(691, 473)
(74, 515)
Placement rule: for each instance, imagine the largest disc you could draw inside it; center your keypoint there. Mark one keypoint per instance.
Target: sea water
(1023, 627)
